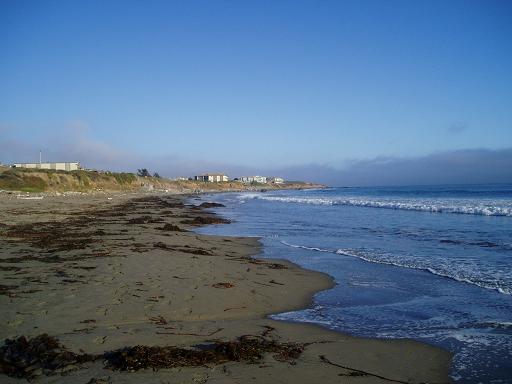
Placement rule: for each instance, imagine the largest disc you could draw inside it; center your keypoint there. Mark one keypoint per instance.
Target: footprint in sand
(16, 322)
(101, 311)
(100, 339)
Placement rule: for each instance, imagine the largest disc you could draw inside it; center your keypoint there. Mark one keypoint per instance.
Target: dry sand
(100, 273)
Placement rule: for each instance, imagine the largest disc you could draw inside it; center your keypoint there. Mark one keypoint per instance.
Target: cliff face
(28, 180)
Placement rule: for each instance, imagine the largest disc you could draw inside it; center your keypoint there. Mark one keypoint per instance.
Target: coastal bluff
(40, 180)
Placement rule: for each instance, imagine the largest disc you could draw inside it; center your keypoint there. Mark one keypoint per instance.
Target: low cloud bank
(75, 145)
(453, 167)
(469, 166)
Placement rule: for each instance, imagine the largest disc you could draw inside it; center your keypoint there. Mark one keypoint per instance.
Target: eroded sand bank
(104, 272)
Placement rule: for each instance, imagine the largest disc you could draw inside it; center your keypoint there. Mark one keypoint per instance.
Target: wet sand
(108, 271)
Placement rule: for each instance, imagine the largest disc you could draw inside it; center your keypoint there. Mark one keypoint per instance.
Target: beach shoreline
(106, 271)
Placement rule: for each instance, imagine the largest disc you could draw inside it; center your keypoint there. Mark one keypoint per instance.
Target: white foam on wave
(500, 325)
(459, 206)
(304, 247)
(387, 259)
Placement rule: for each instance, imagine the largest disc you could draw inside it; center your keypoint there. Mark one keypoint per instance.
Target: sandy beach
(105, 273)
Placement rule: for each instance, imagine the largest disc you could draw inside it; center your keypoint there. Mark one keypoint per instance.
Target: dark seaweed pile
(206, 220)
(25, 358)
(211, 205)
(43, 354)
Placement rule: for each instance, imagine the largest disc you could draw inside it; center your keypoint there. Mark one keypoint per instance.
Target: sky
(344, 92)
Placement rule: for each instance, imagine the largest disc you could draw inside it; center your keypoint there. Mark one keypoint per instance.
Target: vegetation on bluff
(50, 180)
(40, 180)
(15, 180)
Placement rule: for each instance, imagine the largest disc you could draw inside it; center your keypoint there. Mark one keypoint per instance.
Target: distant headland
(72, 177)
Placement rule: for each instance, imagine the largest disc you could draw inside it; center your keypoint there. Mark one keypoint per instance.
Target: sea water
(428, 263)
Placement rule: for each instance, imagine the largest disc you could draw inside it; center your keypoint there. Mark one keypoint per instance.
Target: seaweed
(161, 245)
(223, 285)
(264, 263)
(246, 348)
(276, 266)
(205, 220)
(10, 268)
(43, 354)
(53, 236)
(193, 251)
(6, 289)
(144, 220)
(211, 205)
(196, 251)
(84, 236)
(171, 228)
(24, 358)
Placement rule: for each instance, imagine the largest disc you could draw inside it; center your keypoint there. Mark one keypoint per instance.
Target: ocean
(431, 263)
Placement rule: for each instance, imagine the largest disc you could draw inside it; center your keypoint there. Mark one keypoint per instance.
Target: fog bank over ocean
(469, 166)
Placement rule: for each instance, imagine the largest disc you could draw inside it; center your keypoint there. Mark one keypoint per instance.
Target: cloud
(6, 128)
(70, 144)
(470, 166)
(73, 143)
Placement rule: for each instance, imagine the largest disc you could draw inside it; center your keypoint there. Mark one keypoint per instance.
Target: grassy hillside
(43, 180)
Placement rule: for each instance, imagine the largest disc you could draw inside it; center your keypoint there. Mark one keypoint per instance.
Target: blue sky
(253, 85)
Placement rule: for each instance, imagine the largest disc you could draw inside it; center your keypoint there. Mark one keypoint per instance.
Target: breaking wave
(477, 278)
(458, 206)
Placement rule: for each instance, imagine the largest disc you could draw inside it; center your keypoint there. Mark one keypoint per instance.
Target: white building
(275, 180)
(74, 166)
(253, 179)
(212, 177)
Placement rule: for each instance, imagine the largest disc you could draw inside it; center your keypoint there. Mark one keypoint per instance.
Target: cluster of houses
(261, 179)
(220, 177)
(212, 177)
